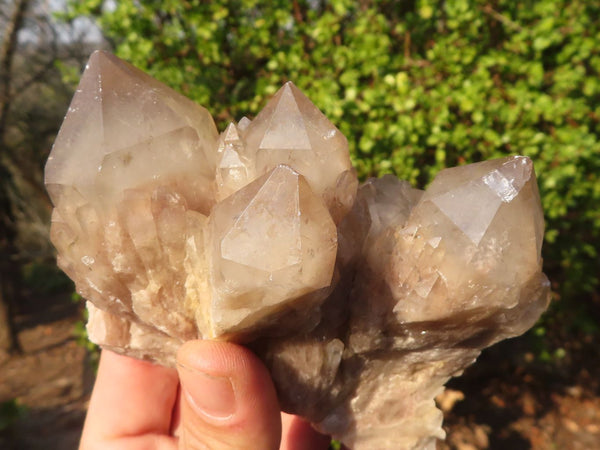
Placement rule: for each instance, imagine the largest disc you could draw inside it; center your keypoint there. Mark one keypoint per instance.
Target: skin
(220, 397)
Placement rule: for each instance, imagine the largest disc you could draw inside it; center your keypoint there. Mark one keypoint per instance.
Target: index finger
(131, 398)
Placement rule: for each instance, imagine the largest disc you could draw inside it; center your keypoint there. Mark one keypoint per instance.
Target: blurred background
(415, 85)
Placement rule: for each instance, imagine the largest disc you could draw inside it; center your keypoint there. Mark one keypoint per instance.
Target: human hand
(220, 397)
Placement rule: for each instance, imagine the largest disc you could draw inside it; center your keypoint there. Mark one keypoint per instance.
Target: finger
(297, 434)
(228, 400)
(131, 398)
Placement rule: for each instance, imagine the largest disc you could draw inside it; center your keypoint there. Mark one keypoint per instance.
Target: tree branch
(7, 51)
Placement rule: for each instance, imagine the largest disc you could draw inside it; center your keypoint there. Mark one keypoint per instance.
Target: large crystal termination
(362, 302)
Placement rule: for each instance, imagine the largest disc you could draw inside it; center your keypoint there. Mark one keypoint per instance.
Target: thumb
(228, 400)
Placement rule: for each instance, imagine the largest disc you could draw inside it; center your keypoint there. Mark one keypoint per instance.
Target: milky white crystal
(362, 304)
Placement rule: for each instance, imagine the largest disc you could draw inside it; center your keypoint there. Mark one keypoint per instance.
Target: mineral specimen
(361, 302)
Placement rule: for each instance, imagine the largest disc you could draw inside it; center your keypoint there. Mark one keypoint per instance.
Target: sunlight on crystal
(362, 301)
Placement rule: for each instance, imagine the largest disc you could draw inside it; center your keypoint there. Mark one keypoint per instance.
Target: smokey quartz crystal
(363, 301)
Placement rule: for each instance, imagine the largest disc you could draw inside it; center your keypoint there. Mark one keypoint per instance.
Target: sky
(81, 29)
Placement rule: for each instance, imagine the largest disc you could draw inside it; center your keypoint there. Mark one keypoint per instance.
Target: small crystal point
(286, 129)
(231, 159)
(231, 135)
(234, 171)
(243, 123)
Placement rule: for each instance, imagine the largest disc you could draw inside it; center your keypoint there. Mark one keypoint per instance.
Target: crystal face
(273, 244)
(363, 301)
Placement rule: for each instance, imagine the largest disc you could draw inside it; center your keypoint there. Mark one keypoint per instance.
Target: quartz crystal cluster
(361, 300)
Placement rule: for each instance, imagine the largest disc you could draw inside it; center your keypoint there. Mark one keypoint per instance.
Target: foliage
(81, 337)
(10, 412)
(45, 278)
(335, 445)
(415, 86)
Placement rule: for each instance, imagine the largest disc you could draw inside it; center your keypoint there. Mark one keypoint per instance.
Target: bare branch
(7, 50)
(501, 18)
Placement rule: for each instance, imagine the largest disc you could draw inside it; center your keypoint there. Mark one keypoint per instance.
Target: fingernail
(210, 395)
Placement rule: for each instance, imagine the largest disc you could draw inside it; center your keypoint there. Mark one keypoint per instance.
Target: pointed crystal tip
(470, 196)
(268, 225)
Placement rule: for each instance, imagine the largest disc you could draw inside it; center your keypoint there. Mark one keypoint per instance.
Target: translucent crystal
(291, 130)
(234, 171)
(471, 223)
(277, 215)
(118, 108)
(361, 304)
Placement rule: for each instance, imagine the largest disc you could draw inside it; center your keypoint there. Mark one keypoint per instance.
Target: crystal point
(362, 301)
(234, 171)
(286, 129)
(473, 203)
(269, 224)
(276, 215)
(102, 119)
(291, 130)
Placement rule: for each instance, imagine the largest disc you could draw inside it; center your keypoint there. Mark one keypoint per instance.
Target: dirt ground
(511, 401)
(51, 379)
(507, 400)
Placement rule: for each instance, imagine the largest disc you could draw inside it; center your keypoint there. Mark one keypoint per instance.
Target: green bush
(45, 278)
(415, 86)
(10, 411)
